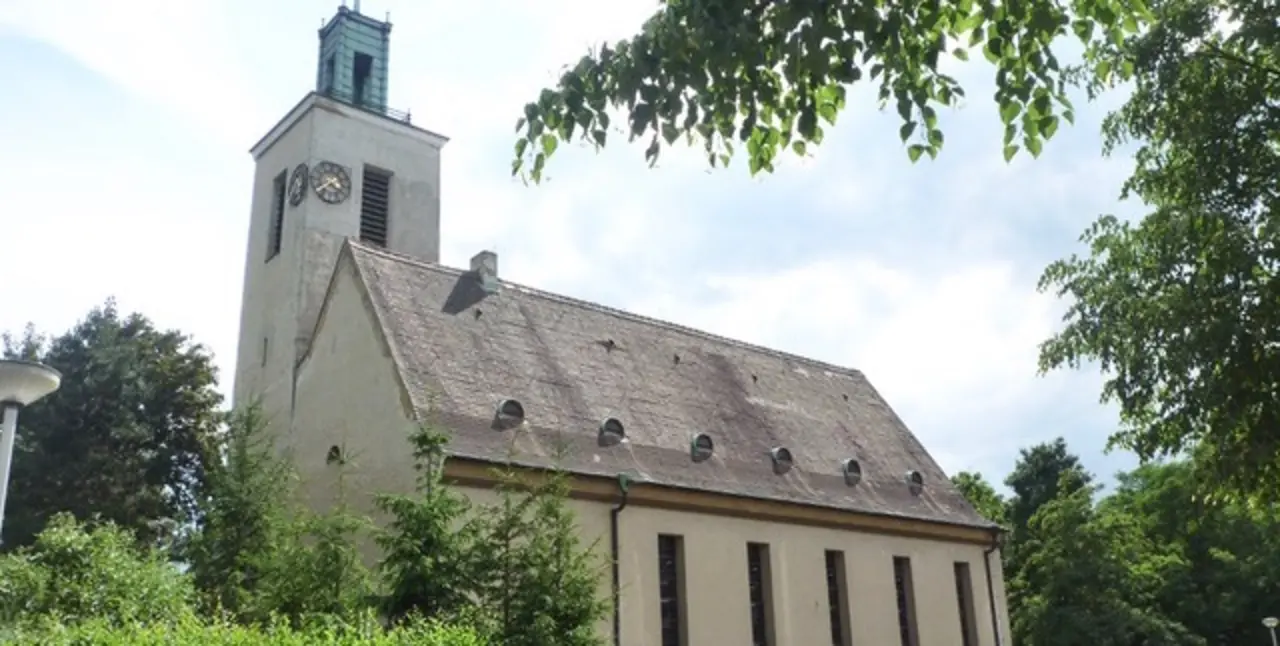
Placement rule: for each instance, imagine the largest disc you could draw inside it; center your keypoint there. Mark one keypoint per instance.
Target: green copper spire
(353, 59)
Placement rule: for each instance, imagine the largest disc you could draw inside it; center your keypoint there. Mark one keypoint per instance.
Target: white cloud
(914, 274)
(172, 53)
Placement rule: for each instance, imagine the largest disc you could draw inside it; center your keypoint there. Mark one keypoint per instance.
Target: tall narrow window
(276, 232)
(670, 584)
(906, 601)
(361, 69)
(964, 597)
(759, 585)
(330, 74)
(375, 204)
(838, 598)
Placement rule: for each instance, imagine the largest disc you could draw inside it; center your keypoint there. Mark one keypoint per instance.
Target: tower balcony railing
(362, 103)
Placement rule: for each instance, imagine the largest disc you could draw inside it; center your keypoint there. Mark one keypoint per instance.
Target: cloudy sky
(124, 172)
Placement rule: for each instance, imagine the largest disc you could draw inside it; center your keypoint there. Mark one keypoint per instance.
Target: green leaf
(828, 112)
(807, 123)
(1103, 69)
(914, 151)
(670, 132)
(1048, 126)
(993, 50)
(1033, 145)
(798, 146)
(549, 143)
(651, 153)
(1010, 151)
(930, 117)
(905, 131)
(1010, 111)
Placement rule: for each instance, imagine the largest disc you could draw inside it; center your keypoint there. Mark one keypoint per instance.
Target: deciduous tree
(981, 495)
(1181, 308)
(1212, 565)
(124, 437)
(1078, 582)
(769, 74)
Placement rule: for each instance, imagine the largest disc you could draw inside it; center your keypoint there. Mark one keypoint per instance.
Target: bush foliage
(258, 568)
(194, 632)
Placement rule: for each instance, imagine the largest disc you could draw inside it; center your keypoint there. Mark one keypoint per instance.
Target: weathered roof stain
(553, 355)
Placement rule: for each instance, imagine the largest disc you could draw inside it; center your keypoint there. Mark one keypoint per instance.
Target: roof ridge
(619, 313)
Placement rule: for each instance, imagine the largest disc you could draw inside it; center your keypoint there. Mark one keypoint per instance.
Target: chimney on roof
(485, 266)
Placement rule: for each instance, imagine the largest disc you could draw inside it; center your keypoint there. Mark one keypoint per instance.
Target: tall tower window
(362, 68)
(906, 601)
(330, 74)
(375, 204)
(276, 231)
(758, 585)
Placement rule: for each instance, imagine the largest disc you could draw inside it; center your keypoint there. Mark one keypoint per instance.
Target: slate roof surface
(572, 364)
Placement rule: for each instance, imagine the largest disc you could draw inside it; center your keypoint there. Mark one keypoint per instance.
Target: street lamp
(1271, 623)
(22, 383)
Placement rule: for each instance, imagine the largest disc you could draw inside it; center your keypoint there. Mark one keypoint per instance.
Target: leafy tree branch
(769, 75)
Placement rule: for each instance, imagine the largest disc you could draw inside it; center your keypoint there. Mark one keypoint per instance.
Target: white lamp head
(1271, 622)
(26, 382)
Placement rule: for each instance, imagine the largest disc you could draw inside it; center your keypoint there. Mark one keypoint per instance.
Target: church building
(746, 495)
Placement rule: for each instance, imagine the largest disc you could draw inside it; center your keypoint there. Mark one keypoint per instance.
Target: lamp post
(1271, 623)
(22, 383)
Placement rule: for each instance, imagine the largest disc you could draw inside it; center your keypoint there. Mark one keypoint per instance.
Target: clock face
(331, 182)
(298, 184)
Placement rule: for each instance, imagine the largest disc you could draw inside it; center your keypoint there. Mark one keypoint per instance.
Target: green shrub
(78, 573)
(191, 631)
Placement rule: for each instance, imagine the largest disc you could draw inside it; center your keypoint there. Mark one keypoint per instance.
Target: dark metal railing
(351, 99)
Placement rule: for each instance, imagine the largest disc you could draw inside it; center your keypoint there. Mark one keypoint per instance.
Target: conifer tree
(538, 582)
(429, 542)
(244, 518)
(320, 576)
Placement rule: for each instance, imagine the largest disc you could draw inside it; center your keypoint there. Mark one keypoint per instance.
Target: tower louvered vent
(375, 204)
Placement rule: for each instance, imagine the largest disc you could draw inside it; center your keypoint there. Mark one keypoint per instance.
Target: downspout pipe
(997, 540)
(624, 486)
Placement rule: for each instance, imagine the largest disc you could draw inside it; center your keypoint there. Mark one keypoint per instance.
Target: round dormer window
(852, 471)
(701, 447)
(915, 482)
(782, 461)
(611, 432)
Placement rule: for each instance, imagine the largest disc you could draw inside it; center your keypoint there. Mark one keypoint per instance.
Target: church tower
(340, 164)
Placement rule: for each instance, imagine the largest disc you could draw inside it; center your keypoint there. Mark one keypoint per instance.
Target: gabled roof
(572, 364)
